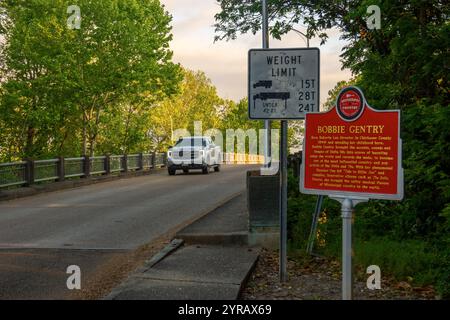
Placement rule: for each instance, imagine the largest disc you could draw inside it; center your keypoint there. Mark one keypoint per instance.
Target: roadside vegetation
(380, 238)
(403, 65)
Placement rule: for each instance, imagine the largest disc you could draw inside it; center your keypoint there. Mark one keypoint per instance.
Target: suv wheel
(205, 170)
(217, 168)
(185, 171)
(171, 172)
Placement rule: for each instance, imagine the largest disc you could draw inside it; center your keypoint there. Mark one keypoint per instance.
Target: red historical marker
(353, 151)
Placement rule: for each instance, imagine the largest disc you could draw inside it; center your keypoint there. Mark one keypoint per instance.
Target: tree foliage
(197, 100)
(60, 84)
(333, 93)
(404, 65)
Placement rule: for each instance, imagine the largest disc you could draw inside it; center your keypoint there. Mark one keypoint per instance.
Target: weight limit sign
(283, 83)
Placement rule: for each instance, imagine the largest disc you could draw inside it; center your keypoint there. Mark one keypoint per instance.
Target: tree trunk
(30, 140)
(84, 137)
(91, 147)
(127, 129)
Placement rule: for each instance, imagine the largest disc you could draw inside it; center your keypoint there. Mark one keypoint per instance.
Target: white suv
(198, 152)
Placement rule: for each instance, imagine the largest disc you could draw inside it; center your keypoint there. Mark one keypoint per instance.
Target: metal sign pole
(265, 45)
(267, 80)
(347, 278)
(283, 201)
(347, 205)
(315, 221)
(265, 25)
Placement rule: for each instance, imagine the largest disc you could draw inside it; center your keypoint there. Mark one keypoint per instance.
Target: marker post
(347, 206)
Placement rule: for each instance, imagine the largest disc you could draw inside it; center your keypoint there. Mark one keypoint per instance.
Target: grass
(416, 261)
(408, 260)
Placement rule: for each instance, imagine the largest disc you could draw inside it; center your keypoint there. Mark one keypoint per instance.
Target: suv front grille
(186, 155)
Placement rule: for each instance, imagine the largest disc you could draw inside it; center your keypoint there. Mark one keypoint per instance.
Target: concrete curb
(224, 239)
(227, 225)
(192, 273)
(166, 251)
(250, 271)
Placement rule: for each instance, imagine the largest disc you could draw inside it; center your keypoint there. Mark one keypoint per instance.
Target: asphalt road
(90, 226)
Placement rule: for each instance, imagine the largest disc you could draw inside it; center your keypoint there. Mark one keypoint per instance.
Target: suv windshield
(188, 142)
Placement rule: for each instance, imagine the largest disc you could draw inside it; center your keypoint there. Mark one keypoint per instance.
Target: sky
(225, 63)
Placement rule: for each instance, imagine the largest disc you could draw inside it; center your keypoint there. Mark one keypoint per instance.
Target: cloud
(225, 63)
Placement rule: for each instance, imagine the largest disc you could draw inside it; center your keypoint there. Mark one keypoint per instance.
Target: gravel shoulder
(318, 278)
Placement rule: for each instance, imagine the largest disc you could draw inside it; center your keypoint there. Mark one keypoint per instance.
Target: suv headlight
(169, 154)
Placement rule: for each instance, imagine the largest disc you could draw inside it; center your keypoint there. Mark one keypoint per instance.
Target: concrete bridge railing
(242, 158)
(29, 172)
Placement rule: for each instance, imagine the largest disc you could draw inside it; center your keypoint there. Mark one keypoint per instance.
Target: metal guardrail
(29, 172)
(147, 161)
(242, 158)
(116, 163)
(26, 173)
(160, 160)
(73, 167)
(98, 165)
(134, 161)
(13, 174)
(46, 170)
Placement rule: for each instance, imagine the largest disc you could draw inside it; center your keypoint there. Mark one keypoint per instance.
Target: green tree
(58, 83)
(32, 74)
(333, 94)
(196, 101)
(404, 65)
(236, 117)
(126, 58)
(404, 60)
